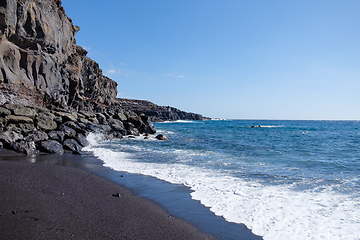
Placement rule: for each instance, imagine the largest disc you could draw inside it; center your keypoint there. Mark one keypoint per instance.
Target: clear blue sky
(245, 59)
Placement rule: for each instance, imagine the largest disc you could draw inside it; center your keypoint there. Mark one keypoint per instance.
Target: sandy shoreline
(58, 202)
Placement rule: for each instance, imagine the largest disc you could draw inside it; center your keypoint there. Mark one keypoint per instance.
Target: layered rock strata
(157, 113)
(51, 94)
(38, 51)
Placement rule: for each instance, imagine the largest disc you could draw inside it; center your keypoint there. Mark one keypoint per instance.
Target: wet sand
(40, 201)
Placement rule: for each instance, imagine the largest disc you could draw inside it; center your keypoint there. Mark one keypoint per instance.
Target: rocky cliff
(157, 113)
(38, 53)
(51, 94)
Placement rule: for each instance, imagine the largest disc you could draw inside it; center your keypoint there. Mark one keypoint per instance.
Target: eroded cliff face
(157, 113)
(38, 53)
(51, 94)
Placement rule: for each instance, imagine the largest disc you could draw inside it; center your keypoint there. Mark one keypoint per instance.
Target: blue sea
(282, 179)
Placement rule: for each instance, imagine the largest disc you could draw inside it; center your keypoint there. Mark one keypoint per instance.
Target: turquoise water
(285, 179)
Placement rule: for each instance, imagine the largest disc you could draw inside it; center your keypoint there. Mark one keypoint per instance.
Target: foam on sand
(271, 211)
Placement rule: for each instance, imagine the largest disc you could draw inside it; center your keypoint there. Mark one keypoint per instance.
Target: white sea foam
(270, 126)
(274, 212)
(179, 121)
(95, 138)
(164, 131)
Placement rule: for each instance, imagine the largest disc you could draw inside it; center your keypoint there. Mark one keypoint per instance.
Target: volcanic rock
(117, 125)
(18, 119)
(66, 116)
(148, 126)
(10, 136)
(51, 93)
(56, 135)
(24, 147)
(46, 124)
(25, 111)
(131, 129)
(81, 139)
(74, 126)
(68, 132)
(36, 136)
(72, 145)
(161, 137)
(51, 146)
(4, 112)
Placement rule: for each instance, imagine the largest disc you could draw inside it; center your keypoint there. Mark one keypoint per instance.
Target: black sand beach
(40, 201)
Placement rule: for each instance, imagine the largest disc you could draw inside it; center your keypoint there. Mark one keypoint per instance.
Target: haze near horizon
(229, 59)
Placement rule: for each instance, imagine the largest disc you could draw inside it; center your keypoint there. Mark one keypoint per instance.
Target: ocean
(282, 179)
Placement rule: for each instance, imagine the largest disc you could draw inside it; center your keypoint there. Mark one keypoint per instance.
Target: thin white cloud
(123, 95)
(112, 72)
(86, 48)
(174, 75)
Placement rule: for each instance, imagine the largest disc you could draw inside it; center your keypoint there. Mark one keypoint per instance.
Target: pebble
(116, 195)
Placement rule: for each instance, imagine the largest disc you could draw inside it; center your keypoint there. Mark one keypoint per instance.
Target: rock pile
(33, 129)
(41, 65)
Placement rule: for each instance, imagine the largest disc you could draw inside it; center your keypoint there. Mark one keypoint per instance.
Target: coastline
(47, 201)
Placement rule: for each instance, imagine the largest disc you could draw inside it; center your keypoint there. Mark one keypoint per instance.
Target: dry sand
(56, 202)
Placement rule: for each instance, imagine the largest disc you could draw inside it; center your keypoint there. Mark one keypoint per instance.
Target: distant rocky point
(51, 94)
(158, 113)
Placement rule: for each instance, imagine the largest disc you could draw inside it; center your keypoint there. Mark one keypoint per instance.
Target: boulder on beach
(51, 146)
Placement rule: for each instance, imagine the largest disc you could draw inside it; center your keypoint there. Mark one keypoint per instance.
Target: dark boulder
(81, 139)
(10, 136)
(26, 127)
(113, 135)
(56, 135)
(51, 146)
(105, 128)
(25, 111)
(74, 126)
(68, 132)
(135, 119)
(131, 129)
(91, 128)
(27, 148)
(161, 137)
(72, 144)
(148, 126)
(36, 136)
(117, 125)
(46, 115)
(101, 118)
(46, 124)
(66, 116)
